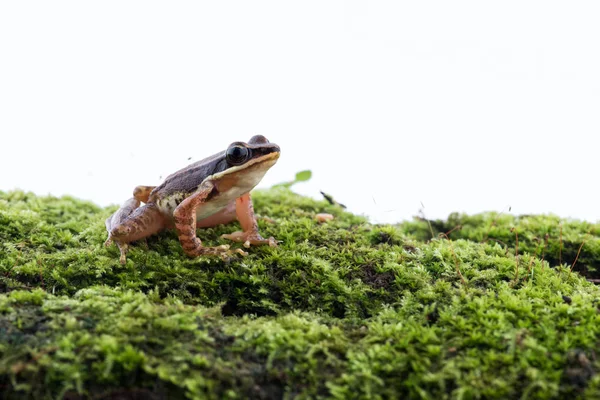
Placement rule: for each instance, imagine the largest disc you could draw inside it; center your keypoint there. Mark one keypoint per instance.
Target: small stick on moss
(457, 227)
(546, 236)
(331, 200)
(499, 241)
(422, 212)
(579, 251)
(516, 254)
(533, 258)
(462, 278)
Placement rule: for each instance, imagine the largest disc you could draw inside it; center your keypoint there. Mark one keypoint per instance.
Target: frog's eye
(237, 155)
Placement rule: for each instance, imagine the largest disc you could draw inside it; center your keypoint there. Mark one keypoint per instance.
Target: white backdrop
(463, 106)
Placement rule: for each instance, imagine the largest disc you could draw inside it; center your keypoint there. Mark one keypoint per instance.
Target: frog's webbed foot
(250, 238)
(108, 241)
(196, 249)
(123, 248)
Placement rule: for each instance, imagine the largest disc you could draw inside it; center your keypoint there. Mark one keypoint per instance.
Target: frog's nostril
(273, 149)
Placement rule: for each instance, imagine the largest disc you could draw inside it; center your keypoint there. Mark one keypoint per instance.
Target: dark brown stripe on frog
(187, 236)
(184, 221)
(190, 246)
(186, 230)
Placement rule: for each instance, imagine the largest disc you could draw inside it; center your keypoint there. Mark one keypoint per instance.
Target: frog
(210, 192)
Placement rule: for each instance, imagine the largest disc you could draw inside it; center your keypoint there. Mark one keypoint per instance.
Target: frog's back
(179, 185)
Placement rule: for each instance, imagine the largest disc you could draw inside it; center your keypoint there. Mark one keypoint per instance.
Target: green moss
(343, 309)
(546, 236)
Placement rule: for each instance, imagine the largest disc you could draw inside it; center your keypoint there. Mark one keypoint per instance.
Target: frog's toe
(257, 240)
(123, 248)
(241, 252)
(250, 239)
(229, 254)
(223, 252)
(238, 236)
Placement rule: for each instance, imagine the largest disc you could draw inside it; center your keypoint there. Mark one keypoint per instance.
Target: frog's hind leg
(130, 223)
(140, 195)
(119, 216)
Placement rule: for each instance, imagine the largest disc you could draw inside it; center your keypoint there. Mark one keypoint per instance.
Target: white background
(463, 106)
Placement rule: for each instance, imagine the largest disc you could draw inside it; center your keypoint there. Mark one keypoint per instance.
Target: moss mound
(343, 309)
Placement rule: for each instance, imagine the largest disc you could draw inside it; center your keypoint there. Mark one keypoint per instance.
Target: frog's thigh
(142, 222)
(121, 214)
(131, 222)
(142, 193)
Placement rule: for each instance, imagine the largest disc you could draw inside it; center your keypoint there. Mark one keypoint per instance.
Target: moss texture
(339, 310)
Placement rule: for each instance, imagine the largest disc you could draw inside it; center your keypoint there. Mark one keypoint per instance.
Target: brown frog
(206, 193)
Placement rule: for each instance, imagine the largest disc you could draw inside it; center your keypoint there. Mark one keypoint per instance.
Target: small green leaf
(300, 177)
(303, 175)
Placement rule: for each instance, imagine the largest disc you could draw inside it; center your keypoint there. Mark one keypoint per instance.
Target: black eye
(237, 155)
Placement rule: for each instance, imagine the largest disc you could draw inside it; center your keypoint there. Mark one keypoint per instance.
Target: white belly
(222, 200)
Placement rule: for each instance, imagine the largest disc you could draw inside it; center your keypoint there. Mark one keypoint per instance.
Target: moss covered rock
(343, 309)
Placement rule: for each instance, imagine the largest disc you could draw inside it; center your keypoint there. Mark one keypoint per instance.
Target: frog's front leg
(249, 235)
(185, 223)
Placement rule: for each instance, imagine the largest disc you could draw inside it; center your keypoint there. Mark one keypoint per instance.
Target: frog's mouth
(260, 162)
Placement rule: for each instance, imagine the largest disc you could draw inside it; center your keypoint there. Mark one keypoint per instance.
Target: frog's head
(258, 150)
(243, 165)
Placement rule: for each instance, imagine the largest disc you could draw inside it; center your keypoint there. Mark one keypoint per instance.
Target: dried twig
(331, 200)
(579, 251)
(457, 227)
(422, 216)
